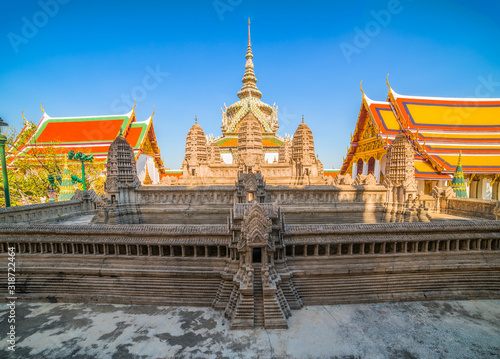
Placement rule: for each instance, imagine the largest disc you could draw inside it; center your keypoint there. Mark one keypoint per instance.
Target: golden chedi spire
(249, 80)
(147, 179)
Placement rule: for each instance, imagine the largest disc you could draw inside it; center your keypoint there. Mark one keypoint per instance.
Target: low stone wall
(44, 212)
(469, 207)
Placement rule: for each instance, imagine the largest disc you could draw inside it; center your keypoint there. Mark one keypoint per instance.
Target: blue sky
(85, 57)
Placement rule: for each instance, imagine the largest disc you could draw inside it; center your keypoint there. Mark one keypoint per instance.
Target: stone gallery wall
(168, 265)
(323, 264)
(394, 261)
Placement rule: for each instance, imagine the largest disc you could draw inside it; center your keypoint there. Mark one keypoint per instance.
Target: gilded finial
(459, 159)
(121, 131)
(302, 118)
(387, 80)
(135, 104)
(24, 118)
(41, 105)
(361, 87)
(154, 110)
(249, 42)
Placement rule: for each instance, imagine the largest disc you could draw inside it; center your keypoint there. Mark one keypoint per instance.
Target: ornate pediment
(256, 228)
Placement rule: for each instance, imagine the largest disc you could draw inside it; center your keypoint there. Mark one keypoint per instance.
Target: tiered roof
(94, 135)
(439, 128)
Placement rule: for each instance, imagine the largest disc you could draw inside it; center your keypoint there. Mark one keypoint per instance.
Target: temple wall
(394, 262)
(183, 265)
(45, 212)
(142, 162)
(206, 195)
(325, 194)
(168, 265)
(469, 207)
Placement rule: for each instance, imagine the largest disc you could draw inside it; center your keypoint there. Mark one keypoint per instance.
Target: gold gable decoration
(147, 149)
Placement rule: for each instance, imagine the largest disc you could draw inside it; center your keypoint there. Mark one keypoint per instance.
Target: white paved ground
(451, 329)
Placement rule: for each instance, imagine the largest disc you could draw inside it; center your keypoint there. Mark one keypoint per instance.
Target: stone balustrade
(326, 194)
(469, 207)
(185, 195)
(45, 212)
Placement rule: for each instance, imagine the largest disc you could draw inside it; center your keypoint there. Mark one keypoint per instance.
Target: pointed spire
(249, 80)
(458, 182)
(302, 118)
(195, 119)
(66, 190)
(147, 179)
(249, 42)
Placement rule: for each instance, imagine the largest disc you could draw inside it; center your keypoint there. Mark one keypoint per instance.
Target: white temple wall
(420, 187)
(377, 170)
(383, 161)
(142, 162)
(487, 193)
(495, 191)
(365, 168)
(269, 157)
(227, 158)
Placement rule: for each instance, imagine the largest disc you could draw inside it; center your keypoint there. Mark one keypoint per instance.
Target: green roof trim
(143, 132)
(224, 140)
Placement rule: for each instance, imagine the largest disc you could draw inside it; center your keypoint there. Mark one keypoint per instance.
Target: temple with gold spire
(249, 143)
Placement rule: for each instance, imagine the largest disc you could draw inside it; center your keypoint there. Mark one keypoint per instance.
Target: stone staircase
(258, 298)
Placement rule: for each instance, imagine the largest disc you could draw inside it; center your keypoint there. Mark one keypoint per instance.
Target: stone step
(258, 296)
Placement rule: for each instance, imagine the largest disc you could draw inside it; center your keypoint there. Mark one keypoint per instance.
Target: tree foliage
(28, 170)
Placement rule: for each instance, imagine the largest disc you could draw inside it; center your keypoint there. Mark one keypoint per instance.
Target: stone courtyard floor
(434, 329)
